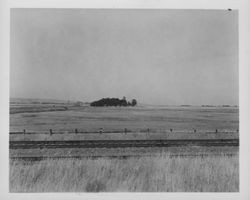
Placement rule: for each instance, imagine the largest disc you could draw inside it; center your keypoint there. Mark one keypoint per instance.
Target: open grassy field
(156, 118)
(140, 123)
(144, 174)
(158, 169)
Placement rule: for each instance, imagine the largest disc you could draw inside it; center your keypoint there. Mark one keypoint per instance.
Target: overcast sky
(160, 57)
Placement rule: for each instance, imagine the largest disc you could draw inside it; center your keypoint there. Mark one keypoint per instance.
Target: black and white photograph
(124, 100)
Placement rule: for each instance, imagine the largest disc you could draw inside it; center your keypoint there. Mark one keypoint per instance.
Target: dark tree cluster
(113, 102)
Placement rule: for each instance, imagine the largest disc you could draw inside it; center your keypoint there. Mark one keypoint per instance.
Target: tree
(113, 102)
(134, 102)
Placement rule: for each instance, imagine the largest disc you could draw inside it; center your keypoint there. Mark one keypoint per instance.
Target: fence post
(24, 131)
(76, 131)
(147, 132)
(50, 131)
(216, 131)
(125, 131)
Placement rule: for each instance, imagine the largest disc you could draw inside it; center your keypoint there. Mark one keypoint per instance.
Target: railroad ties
(120, 143)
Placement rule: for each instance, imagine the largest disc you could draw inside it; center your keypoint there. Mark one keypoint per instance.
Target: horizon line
(140, 103)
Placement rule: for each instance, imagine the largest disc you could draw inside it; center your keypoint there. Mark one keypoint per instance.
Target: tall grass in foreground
(146, 174)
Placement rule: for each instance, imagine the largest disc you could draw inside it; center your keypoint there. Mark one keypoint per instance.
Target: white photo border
(244, 99)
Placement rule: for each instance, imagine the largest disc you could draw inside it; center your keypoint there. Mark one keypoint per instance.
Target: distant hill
(38, 101)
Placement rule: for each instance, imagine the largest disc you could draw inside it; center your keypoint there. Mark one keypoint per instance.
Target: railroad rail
(120, 143)
(39, 158)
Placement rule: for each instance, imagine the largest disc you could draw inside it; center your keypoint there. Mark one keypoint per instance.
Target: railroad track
(49, 144)
(39, 158)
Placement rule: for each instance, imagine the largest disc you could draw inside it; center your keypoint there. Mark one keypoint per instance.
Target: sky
(159, 57)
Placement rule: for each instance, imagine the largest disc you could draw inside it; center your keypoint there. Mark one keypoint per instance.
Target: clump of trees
(113, 102)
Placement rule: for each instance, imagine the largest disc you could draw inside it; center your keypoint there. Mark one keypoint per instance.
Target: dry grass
(134, 118)
(146, 174)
